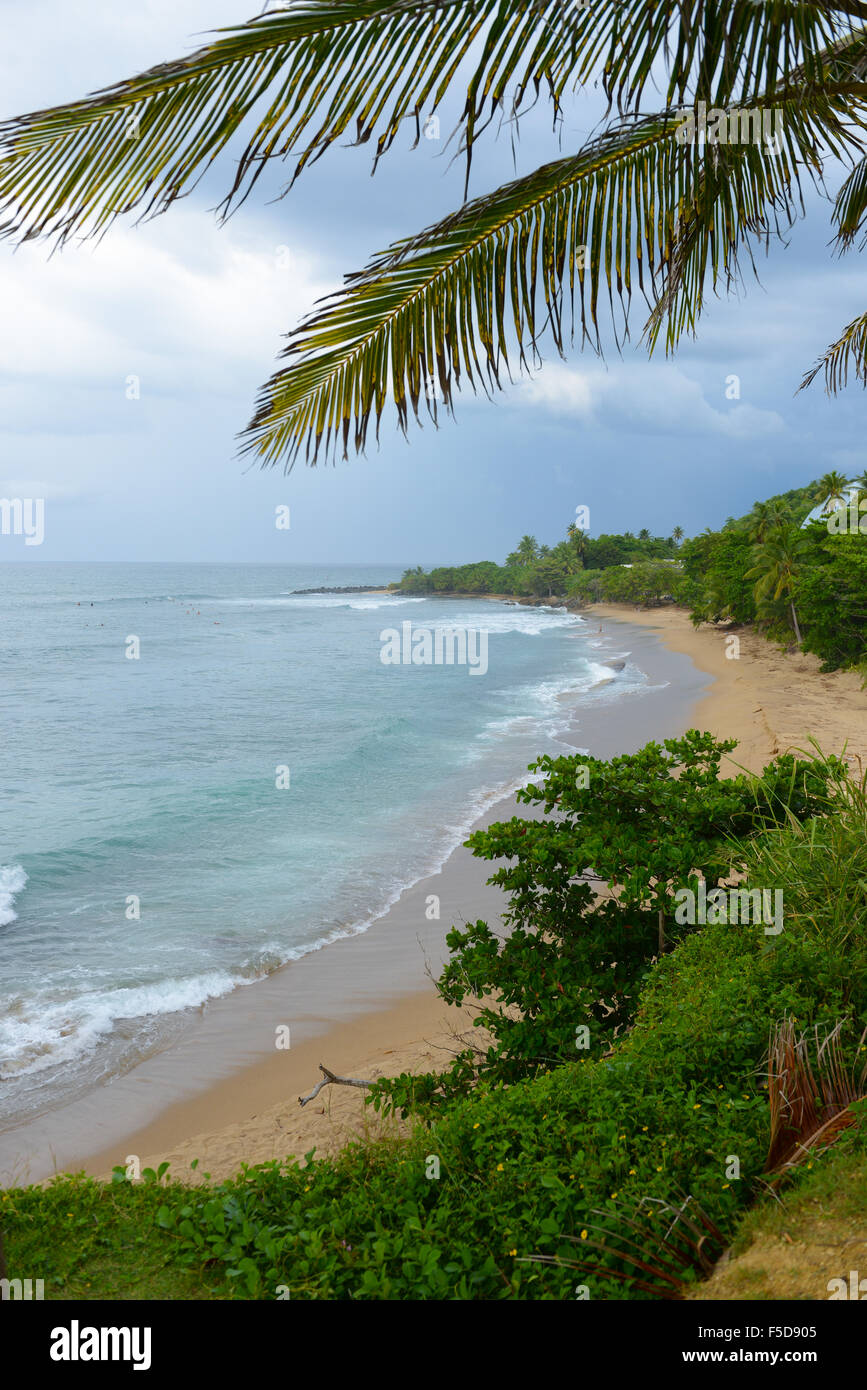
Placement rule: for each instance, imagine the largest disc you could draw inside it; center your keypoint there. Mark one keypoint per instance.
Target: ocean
(248, 785)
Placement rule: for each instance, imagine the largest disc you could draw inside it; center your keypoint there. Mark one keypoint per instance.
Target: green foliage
(647, 824)
(832, 597)
(538, 571)
(539, 1167)
(716, 564)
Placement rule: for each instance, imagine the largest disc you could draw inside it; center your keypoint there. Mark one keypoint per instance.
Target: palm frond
(423, 311)
(805, 1113)
(850, 349)
(326, 66)
(431, 306)
(754, 191)
(331, 67)
(850, 205)
(689, 1245)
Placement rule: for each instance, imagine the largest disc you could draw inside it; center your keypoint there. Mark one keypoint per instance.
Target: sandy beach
(767, 699)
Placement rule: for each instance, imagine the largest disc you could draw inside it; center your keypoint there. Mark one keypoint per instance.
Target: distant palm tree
(578, 540)
(528, 550)
(831, 490)
(677, 535)
(644, 534)
(776, 565)
(764, 518)
(645, 203)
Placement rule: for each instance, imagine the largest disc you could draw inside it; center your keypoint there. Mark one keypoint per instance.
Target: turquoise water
(149, 785)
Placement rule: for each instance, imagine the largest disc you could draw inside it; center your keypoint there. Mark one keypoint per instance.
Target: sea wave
(550, 706)
(44, 1033)
(530, 622)
(318, 601)
(12, 881)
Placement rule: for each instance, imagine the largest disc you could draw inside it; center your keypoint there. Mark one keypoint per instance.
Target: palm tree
(776, 567)
(528, 550)
(831, 491)
(644, 534)
(765, 518)
(677, 535)
(578, 539)
(644, 204)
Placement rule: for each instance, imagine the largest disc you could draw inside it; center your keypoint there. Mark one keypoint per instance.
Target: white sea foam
(12, 881)
(530, 622)
(549, 706)
(43, 1033)
(325, 601)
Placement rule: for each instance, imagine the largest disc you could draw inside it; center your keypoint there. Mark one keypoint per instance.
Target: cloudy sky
(196, 312)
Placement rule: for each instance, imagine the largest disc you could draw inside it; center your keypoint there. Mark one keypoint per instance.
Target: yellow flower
(476, 1125)
(583, 1235)
(809, 1165)
(644, 1129)
(513, 1252)
(725, 1185)
(697, 1107)
(632, 1172)
(614, 1194)
(659, 1170)
(499, 1167)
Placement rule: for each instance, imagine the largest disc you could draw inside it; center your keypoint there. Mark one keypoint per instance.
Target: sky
(196, 312)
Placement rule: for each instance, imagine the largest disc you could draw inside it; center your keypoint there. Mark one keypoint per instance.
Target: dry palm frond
(806, 1114)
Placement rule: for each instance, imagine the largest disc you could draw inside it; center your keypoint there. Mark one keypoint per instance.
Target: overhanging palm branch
(437, 304)
(328, 67)
(835, 81)
(302, 77)
(501, 269)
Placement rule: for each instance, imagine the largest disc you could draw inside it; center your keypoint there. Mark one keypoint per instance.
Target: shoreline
(393, 1021)
(226, 1066)
(771, 700)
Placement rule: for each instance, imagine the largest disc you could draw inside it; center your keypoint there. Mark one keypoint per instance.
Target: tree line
(542, 571)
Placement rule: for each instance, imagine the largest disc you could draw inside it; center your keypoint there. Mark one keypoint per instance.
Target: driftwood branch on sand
(329, 1079)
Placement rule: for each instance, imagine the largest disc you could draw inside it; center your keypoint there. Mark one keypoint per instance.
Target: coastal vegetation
(547, 1170)
(799, 582)
(534, 569)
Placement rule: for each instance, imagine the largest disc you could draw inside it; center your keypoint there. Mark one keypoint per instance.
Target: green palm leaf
(850, 205)
(850, 350)
(760, 194)
(328, 67)
(430, 305)
(452, 301)
(499, 271)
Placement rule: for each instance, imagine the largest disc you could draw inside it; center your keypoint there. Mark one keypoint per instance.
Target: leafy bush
(648, 824)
